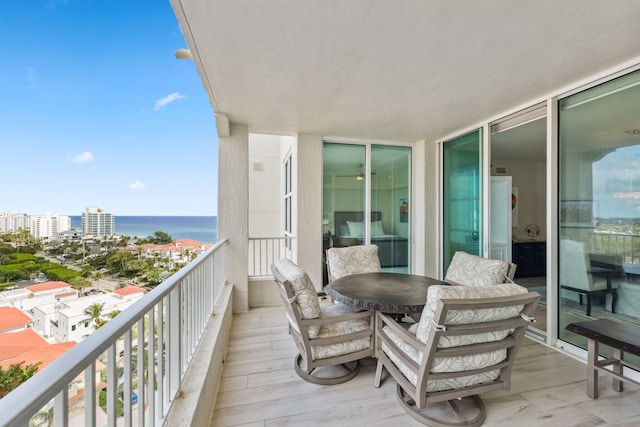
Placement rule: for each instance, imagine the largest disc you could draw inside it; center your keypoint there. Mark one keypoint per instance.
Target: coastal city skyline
(97, 111)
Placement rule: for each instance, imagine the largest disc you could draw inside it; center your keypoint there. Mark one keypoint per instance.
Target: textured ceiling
(397, 71)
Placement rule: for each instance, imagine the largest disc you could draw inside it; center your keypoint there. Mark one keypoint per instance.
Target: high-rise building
(13, 221)
(49, 226)
(96, 222)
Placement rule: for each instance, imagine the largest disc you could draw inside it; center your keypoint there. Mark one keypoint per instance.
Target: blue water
(199, 228)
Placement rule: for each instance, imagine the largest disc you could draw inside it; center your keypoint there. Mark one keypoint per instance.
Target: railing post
(174, 339)
(112, 386)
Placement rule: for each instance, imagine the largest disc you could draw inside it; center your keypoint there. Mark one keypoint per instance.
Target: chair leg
(378, 377)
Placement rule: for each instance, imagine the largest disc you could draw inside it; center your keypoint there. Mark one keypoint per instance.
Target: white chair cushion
(472, 270)
(353, 260)
(438, 292)
(342, 328)
(450, 364)
(305, 292)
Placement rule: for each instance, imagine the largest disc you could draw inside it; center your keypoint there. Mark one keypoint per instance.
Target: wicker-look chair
(472, 270)
(331, 339)
(464, 345)
(352, 260)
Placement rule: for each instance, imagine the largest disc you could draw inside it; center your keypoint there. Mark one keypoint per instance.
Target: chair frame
(415, 399)
(511, 272)
(304, 363)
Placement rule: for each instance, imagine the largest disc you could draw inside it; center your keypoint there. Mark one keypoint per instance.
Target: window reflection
(599, 174)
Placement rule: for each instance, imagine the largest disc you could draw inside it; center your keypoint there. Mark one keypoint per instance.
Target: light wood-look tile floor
(260, 388)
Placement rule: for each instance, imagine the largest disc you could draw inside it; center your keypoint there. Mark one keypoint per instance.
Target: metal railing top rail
(18, 406)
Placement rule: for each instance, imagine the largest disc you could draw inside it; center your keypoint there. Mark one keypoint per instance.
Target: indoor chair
(352, 260)
(331, 338)
(472, 270)
(464, 345)
(577, 273)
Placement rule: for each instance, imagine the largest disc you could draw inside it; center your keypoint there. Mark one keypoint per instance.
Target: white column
(308, 201)
(233, 209)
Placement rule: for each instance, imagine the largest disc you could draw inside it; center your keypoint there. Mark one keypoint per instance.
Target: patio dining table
(392, 293)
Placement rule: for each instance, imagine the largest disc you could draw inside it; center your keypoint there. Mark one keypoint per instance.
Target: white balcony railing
(264, 251)
(166, 323)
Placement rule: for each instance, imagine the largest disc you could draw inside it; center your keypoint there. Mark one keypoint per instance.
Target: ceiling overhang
(397, 71)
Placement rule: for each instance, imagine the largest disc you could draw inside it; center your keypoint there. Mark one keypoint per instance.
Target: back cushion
(352, 260)
(472, 270)
(438, 292)
(305, 292)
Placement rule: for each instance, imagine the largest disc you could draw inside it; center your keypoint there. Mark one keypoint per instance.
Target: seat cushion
(342, 328)
(472, 270)
(445, 365)
(438, 292)
(305, 292)
(352, 260)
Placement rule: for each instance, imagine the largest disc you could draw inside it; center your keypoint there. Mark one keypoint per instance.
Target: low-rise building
(25, 299)
(180, 250)
(67, 320)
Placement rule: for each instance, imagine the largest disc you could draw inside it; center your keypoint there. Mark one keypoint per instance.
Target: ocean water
(199, 228)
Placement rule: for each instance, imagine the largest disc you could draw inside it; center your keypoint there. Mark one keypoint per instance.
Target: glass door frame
(367, 185)
(551, 201)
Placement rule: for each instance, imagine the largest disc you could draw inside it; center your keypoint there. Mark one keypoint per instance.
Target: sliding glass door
(390, 205)
(367, 199)
(462, 195)
(599, 201)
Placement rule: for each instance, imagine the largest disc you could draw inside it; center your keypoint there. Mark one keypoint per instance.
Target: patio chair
(578, 273)
(352, 260)
(464, 345)
(472, 270)
(331, 339)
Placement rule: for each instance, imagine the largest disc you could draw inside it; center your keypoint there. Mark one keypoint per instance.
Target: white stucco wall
(307, 216)
(233, 209)
(265, 184)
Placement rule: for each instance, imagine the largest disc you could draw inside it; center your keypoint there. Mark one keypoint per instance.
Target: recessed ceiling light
(633, 131)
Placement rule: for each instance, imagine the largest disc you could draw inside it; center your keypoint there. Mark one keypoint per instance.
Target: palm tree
(79, 283)
(15, 375)
(94, 314)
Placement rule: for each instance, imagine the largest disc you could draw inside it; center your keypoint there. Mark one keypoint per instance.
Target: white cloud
(31, 73)
(137, 185)
(167, 100)
(83, 157)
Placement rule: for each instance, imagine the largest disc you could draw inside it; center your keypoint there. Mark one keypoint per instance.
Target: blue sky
(96, 111)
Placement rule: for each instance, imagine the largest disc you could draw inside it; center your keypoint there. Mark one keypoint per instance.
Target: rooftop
(12, 318)
(13, 344)
(129, 290)
(46, 286)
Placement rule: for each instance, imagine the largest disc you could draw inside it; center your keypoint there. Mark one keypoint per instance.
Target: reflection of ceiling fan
(359, 175)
